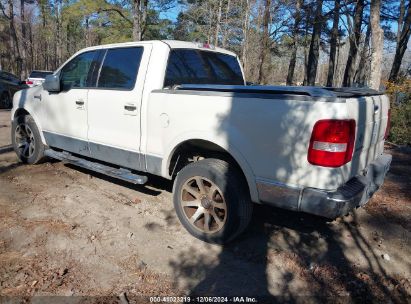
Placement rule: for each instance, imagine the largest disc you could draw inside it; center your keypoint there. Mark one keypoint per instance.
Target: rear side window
(120, 68)
(202, 67)
(75, 74)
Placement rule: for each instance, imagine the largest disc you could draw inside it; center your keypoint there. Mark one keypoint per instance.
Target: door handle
(80, 102)
(130, 108)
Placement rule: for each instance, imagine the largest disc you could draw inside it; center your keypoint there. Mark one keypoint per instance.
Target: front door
(114, 106)
(66, 111)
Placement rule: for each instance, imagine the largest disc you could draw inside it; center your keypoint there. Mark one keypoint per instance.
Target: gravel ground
(69, 231)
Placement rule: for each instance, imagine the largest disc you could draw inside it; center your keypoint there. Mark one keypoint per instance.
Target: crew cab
(183, 111)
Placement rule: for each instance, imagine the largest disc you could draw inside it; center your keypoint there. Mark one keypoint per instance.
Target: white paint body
(269, 138)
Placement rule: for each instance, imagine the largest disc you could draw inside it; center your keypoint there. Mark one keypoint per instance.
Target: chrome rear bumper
(331, 204)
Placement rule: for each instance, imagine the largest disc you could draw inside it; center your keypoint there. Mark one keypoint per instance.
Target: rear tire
(26, 140)
(212, 200)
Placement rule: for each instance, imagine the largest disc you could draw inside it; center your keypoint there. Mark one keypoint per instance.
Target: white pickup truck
(183, 111)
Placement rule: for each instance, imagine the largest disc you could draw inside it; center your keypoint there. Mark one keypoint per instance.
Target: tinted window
(120, 67)
(9, 77)
(202, 67)
(75, 74)
(39, 74)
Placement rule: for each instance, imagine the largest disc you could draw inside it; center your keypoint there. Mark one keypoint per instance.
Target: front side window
(120, 68)
(187, 66)
(76, 73)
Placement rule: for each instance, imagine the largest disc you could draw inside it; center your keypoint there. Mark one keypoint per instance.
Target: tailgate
(371, 116)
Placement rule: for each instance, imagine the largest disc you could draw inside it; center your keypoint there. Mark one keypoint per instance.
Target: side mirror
(52, 83)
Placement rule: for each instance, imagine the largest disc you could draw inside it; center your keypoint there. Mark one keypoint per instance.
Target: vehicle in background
(37, 78)
(9, 84)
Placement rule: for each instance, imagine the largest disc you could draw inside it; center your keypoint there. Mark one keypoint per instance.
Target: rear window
(39, 74)
(202, 67)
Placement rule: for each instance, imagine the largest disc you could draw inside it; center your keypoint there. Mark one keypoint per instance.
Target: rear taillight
(387, 128)
(332, 142)
(29, 82)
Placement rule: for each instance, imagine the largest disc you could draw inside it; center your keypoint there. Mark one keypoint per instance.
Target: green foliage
(400, 96)
(401, 124)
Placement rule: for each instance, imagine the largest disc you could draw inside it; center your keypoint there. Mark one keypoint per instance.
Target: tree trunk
(305, 49)
(377, 44)
(14, 43)
(401, 45)
(59, 43)
(218, 23)
(355, 37)
(139, 11)
(314, 52)
(333, 44)
(264, 41)
(87, 25)
(144, 19)
(400, 19)
(294, 46)
(246, 26)
(24, 71)
(362, 66)
(30, 46)
(226, 25)
(44, 43)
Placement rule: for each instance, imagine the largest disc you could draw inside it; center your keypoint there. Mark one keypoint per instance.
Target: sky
(172, 13)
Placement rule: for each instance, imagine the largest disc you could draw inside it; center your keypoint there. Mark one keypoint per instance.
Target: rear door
(114, 106)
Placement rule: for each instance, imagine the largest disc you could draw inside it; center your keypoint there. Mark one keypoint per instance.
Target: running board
(123, 174)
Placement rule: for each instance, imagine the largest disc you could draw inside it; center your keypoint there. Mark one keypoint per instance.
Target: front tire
(26, 140)
(212, 200)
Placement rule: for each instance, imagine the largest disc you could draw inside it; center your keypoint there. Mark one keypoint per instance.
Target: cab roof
(173, 44)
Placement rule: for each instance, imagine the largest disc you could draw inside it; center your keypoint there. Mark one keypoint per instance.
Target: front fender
(23, 99)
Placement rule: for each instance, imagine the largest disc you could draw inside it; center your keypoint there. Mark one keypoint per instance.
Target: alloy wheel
(203, 204)
(25, 142)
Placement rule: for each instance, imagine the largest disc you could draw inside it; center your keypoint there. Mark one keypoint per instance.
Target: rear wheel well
(195, 150)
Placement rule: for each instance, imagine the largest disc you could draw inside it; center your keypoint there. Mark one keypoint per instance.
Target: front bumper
(331, 204)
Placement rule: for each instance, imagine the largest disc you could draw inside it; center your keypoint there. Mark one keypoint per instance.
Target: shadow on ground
(307, 257)
(12, 166)
(289, 256)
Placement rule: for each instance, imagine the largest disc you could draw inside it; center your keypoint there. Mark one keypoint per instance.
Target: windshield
(188, 66)
(39, 74)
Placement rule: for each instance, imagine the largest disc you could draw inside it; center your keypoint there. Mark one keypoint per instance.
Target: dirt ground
(68, 231)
